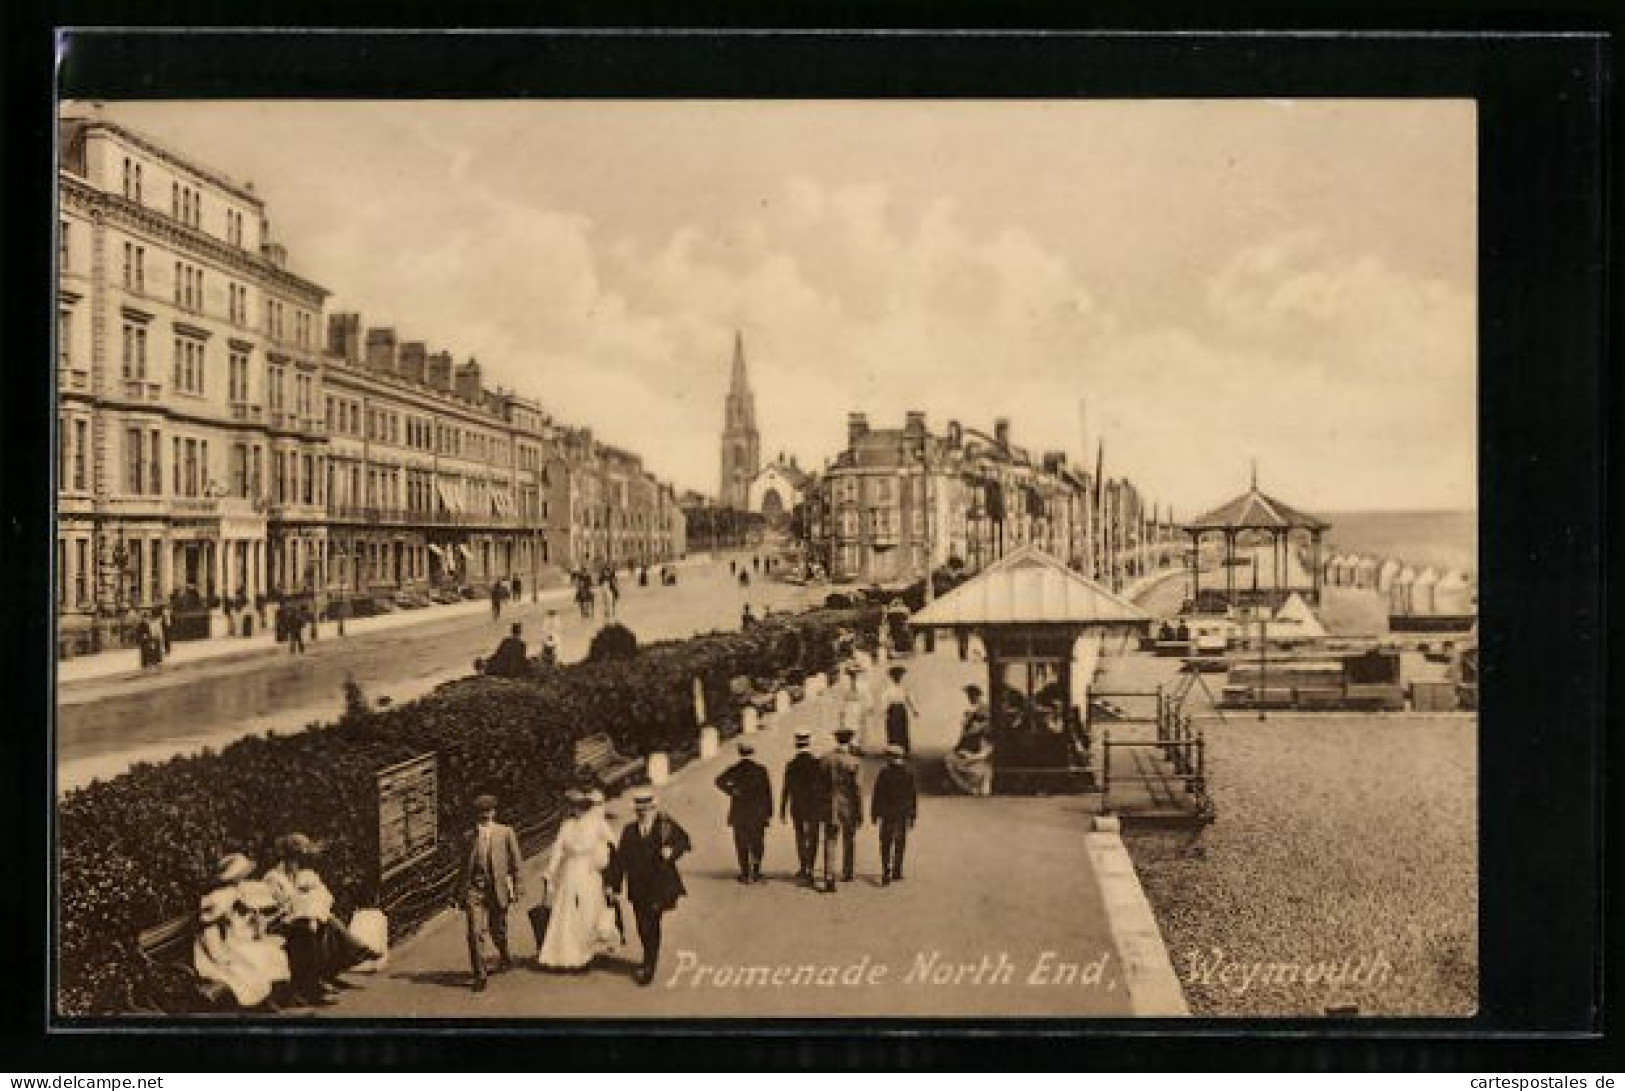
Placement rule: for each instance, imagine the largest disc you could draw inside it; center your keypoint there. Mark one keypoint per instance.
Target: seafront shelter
(1032, 612)
(1252, 526)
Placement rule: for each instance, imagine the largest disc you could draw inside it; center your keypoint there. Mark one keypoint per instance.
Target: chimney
(414, 360)
(469, 387)
(857, 426)
(439, 373)
(956, 435)
(381, 350)
(344, 336)
(1001, 431)
(914, 424)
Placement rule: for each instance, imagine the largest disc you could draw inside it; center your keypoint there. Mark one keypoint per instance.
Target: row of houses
(223, 439)
(898, 502)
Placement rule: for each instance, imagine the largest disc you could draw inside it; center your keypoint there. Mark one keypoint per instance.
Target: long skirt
(573, 937)
(970, 773)
(897, 726)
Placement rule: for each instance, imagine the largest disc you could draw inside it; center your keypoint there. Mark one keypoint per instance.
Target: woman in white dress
(575, 889)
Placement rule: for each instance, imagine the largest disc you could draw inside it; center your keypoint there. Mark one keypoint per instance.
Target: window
(190, 478)
(129, 177)
(61, 571)
(64, 338)
(237, 377)
(239, 469)
(175, 462)
(237, 303)
(64, 252)
(155, 478)
(273, 387)
(307, 481)
(135, 351)
(135, 457)
(135, 267)
(189, 365)
(81, 434)
(81, 568)
(137, 194)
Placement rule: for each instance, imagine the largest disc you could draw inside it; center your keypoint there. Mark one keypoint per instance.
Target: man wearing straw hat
(804, 803)
(490, 882)
(840, 771)
(750, 809)
(645, 862)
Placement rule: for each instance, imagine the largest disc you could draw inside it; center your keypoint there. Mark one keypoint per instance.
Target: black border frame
(1545, 311)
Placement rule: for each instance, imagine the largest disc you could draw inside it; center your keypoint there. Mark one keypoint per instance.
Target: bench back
(170, 941)
(594, 750)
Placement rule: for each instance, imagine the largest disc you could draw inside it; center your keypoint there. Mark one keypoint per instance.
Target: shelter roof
(1030, 587)
(1257, 510)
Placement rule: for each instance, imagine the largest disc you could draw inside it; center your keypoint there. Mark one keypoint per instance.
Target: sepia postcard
(650, 559)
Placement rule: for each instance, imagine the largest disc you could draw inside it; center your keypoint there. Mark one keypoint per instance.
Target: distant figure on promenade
(645, 863)
(551, 628)
(498, 593)
(293, 626)
(970, 764)
(733, 566)
(509, 660)
(146, 635)
(894, 806)
(747, 620)
(583, 584)
(607, 594)
(805, 801)
(488, 883)
(581, 926)
(854, 712)
(840, 769)
(756, 563)
(750, 809)
(744, 577)
(900, 710)
(518, 586)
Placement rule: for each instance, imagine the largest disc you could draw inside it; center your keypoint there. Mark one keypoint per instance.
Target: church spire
(740, 383)
(741, 444)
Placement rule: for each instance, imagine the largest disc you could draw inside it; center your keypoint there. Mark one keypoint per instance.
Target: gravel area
(1342, 870)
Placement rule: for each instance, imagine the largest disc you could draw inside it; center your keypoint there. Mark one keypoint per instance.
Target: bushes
(139, 849)
(613, 641)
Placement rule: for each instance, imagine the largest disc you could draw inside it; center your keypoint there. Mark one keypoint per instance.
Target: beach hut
(1365, 572)
(1452, 595)
(1387, 574)
(1422, 591)
(1399, 593)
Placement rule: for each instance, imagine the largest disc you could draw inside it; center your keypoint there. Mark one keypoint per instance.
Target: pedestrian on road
(805, 801)
(550, 639)
(750, 809)
(646, 865)
(489, 882)
(840, 769)
(894, 807)
(518, 588)
(900, 710)
(583, 592)
(747, 620)
(295, 629)
(496, 600)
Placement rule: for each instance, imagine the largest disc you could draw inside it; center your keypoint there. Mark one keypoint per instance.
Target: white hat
(217, 904)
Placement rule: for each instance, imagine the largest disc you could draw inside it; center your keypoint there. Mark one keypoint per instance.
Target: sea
(1443, 540)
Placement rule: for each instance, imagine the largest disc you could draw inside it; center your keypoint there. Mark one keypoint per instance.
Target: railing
(194, 505)
(1185, 755)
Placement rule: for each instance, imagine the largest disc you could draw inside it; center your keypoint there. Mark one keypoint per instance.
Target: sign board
(408, 813)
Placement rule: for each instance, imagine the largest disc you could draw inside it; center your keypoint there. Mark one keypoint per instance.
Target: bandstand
(1030, 611)
(1257, 521)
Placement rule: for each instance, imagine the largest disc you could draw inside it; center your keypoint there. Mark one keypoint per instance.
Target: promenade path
(991, 883)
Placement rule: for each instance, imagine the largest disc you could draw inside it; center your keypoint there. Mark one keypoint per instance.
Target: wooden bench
(597, 758)
(170, 943)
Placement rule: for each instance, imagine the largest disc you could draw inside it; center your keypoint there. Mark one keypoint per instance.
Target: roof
(1257, 510)
(1030, 587)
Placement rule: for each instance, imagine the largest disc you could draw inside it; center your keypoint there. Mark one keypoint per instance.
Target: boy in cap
(894, 806)
(490, 881)
(843, 816)
(805, 799)
(645, 862)
(750, 809)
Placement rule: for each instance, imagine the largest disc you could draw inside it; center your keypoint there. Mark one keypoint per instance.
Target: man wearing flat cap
(645, 863)
(840, 770)
(750, 809)
(490, 881)
(805, 800)
(894, 806)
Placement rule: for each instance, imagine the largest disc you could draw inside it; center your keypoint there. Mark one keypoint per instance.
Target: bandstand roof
(1257, 510)
(1030, 587)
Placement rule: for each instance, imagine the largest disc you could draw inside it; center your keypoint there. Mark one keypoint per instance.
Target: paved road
(105, 726)
(1004, 879)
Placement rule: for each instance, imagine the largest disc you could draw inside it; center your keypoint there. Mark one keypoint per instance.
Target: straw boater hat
(896, 751)
(803, 739)
(257, 895)
(217, 905)
(232, 869)
(643, 798)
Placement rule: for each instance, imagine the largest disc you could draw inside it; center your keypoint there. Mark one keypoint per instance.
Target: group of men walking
(822, 798)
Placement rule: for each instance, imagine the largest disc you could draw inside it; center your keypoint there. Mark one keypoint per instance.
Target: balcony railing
(194, 506)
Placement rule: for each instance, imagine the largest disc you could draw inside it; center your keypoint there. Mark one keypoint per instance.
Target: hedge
(138, 850)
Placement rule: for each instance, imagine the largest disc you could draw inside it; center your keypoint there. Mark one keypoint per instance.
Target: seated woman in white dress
(970, 764)
(576, 932)
(232, 949)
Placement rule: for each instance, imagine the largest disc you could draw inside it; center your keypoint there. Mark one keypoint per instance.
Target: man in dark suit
(489, 882)
(894, 805)
(750, 809)
(645, 862)
(509, 661)
(840, 769)
(805, 800)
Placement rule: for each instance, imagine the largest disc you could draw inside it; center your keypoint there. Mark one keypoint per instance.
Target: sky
(1291, 282)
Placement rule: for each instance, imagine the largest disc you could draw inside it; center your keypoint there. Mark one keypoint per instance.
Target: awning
(451, 503)
(438, 551)
(462, 547)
